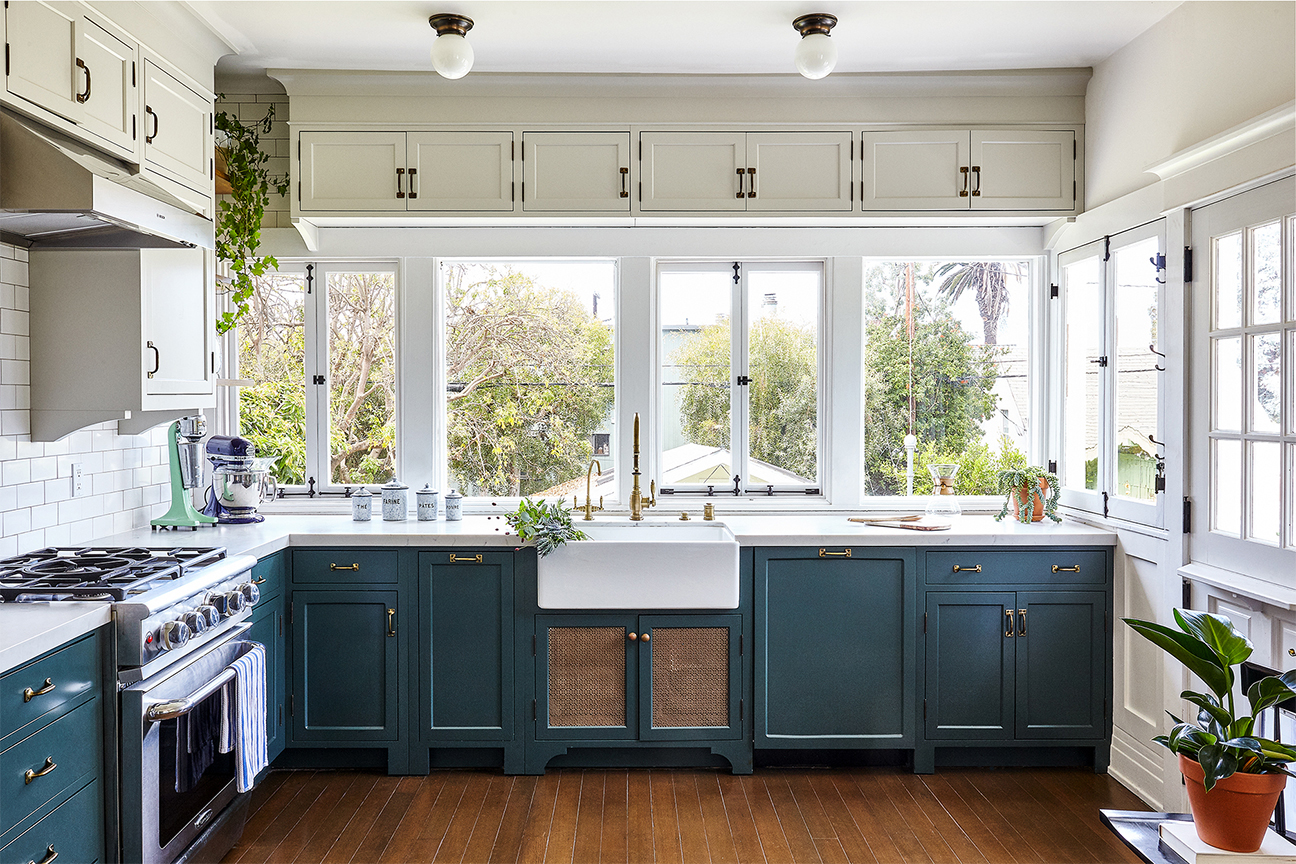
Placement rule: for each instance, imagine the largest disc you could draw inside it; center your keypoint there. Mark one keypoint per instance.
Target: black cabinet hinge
(1187, 515)
(513, 191)
(740, 644)
(281, 716)
(737, 268)
(1075, 149)
(281, 625)
(6, 52)
(1104, 505)
(1052, 466)
(513, 151)
(1160, 484)
(1053, 292)
(1107, 248)
(1185, 595)
(924, 709)
(132, 127)
(1188, 268)
(133, 85)
(533, 709)
(310, 268)
(740, 710)
(292, 704)
(533, 645)
(523, 191)
(924, 622)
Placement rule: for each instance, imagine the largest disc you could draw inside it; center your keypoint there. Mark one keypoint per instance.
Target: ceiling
(705, 37)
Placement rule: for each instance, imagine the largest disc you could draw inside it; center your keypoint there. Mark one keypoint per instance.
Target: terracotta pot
(1235, 814)
(1038, 513)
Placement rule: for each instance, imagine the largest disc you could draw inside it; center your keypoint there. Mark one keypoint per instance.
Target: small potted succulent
(1031, 492)
(1232, 775)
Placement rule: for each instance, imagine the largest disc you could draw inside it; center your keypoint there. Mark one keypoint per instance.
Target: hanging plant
(238, 217)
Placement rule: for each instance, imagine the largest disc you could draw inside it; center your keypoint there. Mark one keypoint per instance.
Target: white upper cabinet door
(578, 171)
(799, 171)
(1023, 170)
(916, 170)
(693, 171)
(178, 139)
(459, 171)
(110, 96)
(352, 171)
(178, 321)
(41, 40)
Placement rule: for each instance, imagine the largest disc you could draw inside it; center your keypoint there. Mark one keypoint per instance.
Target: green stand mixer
(186, 473)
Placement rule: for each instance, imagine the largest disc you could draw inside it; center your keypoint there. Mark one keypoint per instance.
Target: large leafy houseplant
(239, 216)
(1021, 486)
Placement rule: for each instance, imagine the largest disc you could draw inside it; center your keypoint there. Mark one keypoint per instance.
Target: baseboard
(1138, 768)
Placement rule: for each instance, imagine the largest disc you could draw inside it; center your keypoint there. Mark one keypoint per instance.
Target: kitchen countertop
(28, 630)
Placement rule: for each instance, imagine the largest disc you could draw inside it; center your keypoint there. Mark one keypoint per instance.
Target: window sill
(1248, 586)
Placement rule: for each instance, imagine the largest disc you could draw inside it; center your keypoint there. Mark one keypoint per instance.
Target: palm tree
(990, 281)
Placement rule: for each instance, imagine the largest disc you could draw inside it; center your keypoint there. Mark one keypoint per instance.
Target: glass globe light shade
(816, 55)
(452, 56)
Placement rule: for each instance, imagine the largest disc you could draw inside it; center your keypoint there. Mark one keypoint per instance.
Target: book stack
(1181, 838)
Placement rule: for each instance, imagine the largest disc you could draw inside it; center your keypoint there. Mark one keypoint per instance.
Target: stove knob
(196, 622)
(209, 614)
(251, 593)
(174, 635)
(234, 603)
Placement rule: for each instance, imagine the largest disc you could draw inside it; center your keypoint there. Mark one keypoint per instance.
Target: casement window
(1109, 381)
(740, 361)
(318, 355)
(1243, 383)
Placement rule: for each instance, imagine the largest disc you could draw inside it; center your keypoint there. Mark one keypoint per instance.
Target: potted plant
(1232, 775)
(1031, 492)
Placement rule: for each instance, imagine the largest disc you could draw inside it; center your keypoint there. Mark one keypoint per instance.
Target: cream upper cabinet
(1023, 170)
(756, 171)
(178, 127)
(969, 170)
(63, 61)
(178, 321)
(352, 171)
(576, 171)
(459, 171)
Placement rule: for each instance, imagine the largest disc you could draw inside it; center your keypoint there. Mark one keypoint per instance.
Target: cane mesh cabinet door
(585, 674)
(689, 677)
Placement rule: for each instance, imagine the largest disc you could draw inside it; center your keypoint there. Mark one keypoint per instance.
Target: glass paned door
(1082, 328)
(1137, 303)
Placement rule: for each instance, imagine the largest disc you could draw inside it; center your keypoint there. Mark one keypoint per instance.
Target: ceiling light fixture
(816, 54)
(452, 56)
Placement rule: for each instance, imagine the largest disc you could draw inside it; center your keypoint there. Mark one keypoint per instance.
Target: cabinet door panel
(584, 171)
(177, 316)
(460, 170)
(111, 103)
(1023, 170)
(799, 171)
(466, 646)
(177, 129)
(970, 660)
(352, 170)
(267, 628)
(915, 170)
(344, 666)
(690, 677)
(692, 170)
(41, 40)
(1061, 664)
(586, 668)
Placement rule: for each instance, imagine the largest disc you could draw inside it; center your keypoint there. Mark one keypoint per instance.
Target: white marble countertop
(28, 630)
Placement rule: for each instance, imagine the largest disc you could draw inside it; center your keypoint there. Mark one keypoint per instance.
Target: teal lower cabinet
(268, 629)
(835, 648)
(464, 651)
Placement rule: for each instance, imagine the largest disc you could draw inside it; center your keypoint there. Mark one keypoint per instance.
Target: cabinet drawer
(71, 672)
(268, 575)
(75, 745)
(74, 831)
(981, 566)
(344, 565)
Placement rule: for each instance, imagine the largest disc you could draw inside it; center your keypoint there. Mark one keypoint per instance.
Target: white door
(799, 171)
(1023, 170)
(41, 45)
(111, 94)
(921, 170)
(177, 130)
(352, 171)
(581, 171)
(178, 321)
(459, 171)
(697, 171)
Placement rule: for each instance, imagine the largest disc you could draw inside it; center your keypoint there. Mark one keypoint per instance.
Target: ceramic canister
(361, 505)
(454, 506)
(395, 501)
(427, 503)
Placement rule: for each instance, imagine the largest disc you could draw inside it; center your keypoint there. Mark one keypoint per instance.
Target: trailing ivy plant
(238, 217)
(549, 525)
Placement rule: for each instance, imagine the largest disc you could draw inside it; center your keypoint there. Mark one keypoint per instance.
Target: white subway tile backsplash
(44, 468)
(17, 521)
(31, 540)
(16, 471)
(13, 271)
(8, 546)
(14, 322)
(30, 494)
(58, 535)
(44, 516)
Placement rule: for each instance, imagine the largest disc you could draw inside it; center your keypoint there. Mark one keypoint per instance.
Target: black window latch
(317, 379)
(743, 380)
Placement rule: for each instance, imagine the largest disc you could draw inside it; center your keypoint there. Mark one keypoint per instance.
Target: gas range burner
(104, 573)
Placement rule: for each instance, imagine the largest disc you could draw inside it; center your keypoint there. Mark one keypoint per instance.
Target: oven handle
(179, 707)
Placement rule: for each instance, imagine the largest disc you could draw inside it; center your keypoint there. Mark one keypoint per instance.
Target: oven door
(160, 824)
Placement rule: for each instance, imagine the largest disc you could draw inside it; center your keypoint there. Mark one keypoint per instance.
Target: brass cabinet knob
(643, 638)
(1291, 652)
(632, 637)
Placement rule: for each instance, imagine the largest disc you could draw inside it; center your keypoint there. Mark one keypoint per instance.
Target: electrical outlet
(78, 480)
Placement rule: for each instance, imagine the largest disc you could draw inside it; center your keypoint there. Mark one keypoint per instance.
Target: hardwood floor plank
(433, 829)
(715, 820)
(344, 848)
(942, 823)
(589, 819)
(878, 817)
(562, 833)
(613, 844)
(1085, 827)
(311, 822)
(742, 825)
(334, 822)
(508, 843)
(258, 820)
(464, 820)
(666, 837)
(639, 818)
(415, 818)
(831, 851)
(380, 833)
(922, 828)
(798, 836)
(812, 811)
(773, 842)
(688, 809)
(285, 820)
(535, 834)
(489, 819)
(857, 849)
(961, 781)
(1053, 845)
(968, 820)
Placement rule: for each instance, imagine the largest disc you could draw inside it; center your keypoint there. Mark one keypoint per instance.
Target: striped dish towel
(243, 716)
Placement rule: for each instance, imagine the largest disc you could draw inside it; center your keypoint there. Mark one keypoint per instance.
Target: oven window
(178, 809)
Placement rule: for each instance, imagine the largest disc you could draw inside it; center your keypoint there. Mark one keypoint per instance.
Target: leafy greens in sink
(549, 525)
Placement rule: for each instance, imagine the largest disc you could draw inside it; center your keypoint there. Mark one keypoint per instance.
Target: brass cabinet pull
(975, 568)
(465, 559)
(148, 139)
(391, 622)
(751, 193)
(83, 98)
(258, 581)
(976, 169)
(355, 567)
(1008, 623)
(29, 775)
(1057, 569)
(1021, 622)
(625, 179)
(50, 855)
(632, 636)
(413, 193)
(157, 359)
(829, 553)
(964, 172)
(400, 179)
(741, 175)
(30, 694)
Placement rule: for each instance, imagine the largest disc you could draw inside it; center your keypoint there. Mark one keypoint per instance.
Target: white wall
(1204, 68)
(125, 476)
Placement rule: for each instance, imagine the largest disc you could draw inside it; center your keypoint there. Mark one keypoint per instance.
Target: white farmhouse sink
(643, 565)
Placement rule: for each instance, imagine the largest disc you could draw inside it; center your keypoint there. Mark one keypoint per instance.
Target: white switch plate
(78, 481)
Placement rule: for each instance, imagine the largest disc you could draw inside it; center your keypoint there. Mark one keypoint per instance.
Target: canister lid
(453, 494)
(394, 484)
(362, 492)
(426, 490)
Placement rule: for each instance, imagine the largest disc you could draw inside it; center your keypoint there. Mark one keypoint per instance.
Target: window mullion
(317, 447)
(740, 403)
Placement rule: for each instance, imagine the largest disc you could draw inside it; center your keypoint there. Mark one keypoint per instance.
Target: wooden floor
(687, 816)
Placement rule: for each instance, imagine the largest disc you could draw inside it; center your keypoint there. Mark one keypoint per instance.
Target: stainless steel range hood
(57, 192)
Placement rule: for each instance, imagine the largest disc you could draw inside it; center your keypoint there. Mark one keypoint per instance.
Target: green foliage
(272, 352)
(979, 466)
(1221, 740)
(1022, 485)
(989, 281)
(238, 217)
(549, 525)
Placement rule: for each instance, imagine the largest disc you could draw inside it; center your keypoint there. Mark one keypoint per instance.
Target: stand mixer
(186, 474)
(238, 482)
